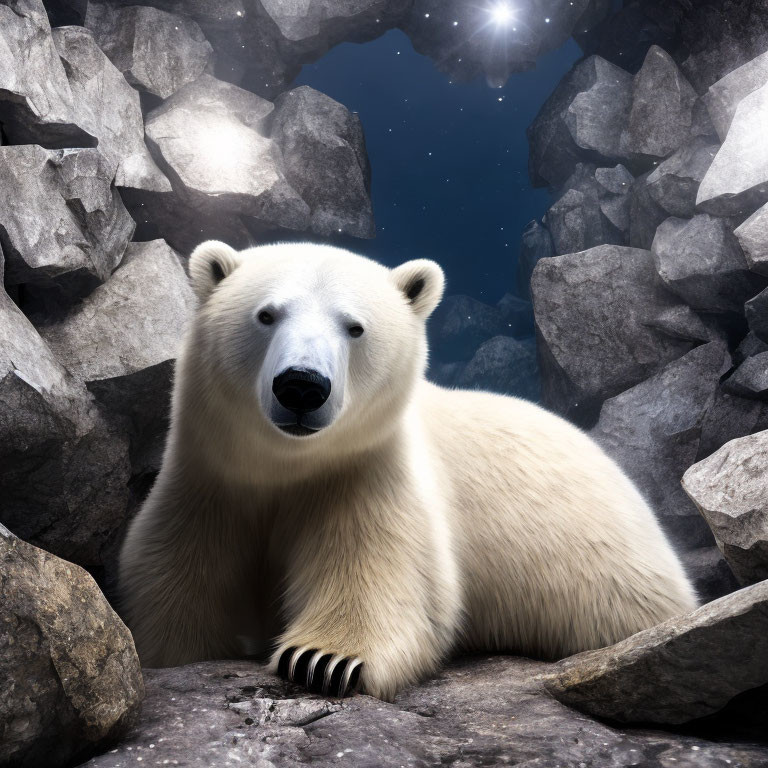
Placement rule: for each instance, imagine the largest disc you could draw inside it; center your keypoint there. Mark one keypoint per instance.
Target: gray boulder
(156, 51)
(660, 119)
(725, 95)
(710, 573)
(654, 431)
(756, 311)
(122, 340)
(594, 210)
(701, 261)
(750, 379)
(582, 121)
(36, 103)
(505, 365)
(604, 323)
(730, 488)
(736, 183)
(536, 244)
(730, 416)
(488, 710)
(60, 217)
(107, 107)
(325, 161)
(686, 668)
(645, 213)
(673, 184)
(753, 238)
(69, 674)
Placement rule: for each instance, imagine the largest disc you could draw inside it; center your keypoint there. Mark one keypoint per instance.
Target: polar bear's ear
(209, 264)
(421, 282)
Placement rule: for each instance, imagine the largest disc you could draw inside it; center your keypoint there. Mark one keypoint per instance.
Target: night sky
(450, 160)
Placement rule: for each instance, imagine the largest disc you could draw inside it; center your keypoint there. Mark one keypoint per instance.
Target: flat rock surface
(730, 488)
(69, 674)
(753, 238)
(489, 711)
(685, 668)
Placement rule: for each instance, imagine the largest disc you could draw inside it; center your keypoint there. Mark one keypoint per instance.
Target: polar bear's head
(313, 338)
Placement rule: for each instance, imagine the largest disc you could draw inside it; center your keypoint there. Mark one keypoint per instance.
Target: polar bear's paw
(320, 672)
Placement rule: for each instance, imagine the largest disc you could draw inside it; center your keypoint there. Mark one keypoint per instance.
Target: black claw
(285, 660)
(354, 678)
(334, 688)
(300, 673)
(316, 686)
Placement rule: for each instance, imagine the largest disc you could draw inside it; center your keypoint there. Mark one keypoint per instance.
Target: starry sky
(450, 160)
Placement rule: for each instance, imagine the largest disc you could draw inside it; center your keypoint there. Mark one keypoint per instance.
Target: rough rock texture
(593, 211)
(483, 711)
(753, 238)
(70, 680)
(724, 96)
(687, 667)
(581, 121)
(604, 324)
(660, 119)
(109, 108)
(750, 379)
(63, 469)
(756, 311)
(505, 365)
(60, 216)
(536, 244)
(35, 99)
(701, 261)
(730, 488)
(728, 417)
(158, 52)
(122, 341)
(736, 183)
(325, 161)
(654, 430)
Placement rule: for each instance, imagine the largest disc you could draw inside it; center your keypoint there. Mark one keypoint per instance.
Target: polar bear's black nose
(300, 390)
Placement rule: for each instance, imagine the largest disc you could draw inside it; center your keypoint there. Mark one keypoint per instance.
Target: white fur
(418, 521)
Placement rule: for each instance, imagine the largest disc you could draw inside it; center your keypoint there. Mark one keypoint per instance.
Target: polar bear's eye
(356, 330)
(266, 317)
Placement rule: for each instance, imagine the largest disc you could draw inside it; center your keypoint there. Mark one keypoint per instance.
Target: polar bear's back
(549, 532)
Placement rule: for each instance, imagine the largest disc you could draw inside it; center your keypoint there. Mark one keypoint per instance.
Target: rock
(70, 677)
(736, 183)
(645, 214)
(673, 184)
(35, 99)
(460, 324)
(701, 261)
(660, 119)
(595, 314)
(709, 572)
(211, 139)
(516, 316)
(749, 346)
(123, 339)
(750, 379)
(685, 668)
(581, 121)
(724, 96)
(109, 108)
(158, 52)
(593, 211)
(505, 365)
(729, 417)
(730, 489)
(753, 238)
(477, 711)
(325, 161)
(756, 311)
(536, 244)
(467, 40)
(60, 218)
(654, 430)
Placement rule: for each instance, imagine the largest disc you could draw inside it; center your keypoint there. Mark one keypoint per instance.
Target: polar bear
(319, 499)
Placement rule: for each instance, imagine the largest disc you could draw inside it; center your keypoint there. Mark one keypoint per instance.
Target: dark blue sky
(450, 161)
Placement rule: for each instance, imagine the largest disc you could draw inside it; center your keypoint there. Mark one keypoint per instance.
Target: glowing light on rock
(502, 15)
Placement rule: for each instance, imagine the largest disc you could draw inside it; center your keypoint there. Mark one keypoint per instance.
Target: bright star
(501, 14)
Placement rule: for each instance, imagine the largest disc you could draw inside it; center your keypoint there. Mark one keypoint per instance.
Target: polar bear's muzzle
(300, 393)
